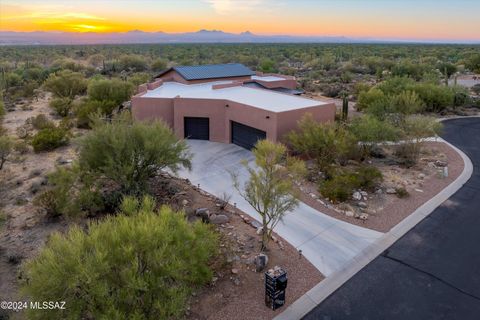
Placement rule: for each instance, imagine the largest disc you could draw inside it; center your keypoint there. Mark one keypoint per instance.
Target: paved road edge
(322, 290)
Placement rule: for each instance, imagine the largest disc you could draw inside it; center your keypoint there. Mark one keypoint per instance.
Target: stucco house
(226, 103)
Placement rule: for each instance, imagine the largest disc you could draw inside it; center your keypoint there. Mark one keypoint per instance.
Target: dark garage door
(246, 136)
(196, 128)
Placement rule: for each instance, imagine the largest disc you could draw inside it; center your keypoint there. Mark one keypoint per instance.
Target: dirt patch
(381, 211)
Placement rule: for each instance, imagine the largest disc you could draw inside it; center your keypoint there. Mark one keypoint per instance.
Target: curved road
(433, 271)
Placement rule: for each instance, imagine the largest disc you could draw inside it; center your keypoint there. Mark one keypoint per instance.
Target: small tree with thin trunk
(270, 187)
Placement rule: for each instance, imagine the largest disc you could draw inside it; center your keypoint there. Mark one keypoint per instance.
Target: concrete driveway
(326, 242)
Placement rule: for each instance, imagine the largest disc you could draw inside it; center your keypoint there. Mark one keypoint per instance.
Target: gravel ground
(392, 209)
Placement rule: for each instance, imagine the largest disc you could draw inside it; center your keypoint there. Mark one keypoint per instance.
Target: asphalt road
(433, 271)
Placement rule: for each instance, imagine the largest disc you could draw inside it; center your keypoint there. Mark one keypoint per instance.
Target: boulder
(260, 262)
(349, 213)
(391, 191)
(357, 196)
(203, 213)
(362, 204)
(219, 219)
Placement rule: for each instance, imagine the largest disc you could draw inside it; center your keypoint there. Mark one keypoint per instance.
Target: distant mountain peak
(210, 31)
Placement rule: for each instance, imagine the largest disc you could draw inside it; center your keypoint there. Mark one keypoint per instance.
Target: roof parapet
(227, 85)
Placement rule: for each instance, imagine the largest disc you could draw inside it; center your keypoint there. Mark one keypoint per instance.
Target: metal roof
(211, 71)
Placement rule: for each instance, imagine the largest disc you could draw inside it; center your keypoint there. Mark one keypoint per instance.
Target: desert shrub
(368, 98)
(62, 106)
(5, 149)
(84, 111)
(435, 97)
(71, 194)
(41, 121)
(415, 129)
(461, 96)
(133, 62)
(66, 84)
(407, 102)
(115, 91)
(325, 143)
(395, 85)
(368, 177)
(2, 107)
(143, 264)
(341, 183)
(21, 147)
(49, 139)
(370, 131)
(159, 64)
(473, 63)
(475, 89)
(3, 220)
(401, 192)
(129, 153)
(339, 188)
(139, 78)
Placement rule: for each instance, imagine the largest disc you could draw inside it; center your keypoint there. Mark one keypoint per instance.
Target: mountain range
(201, 36)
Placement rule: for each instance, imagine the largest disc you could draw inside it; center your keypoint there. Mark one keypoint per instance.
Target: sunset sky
(381, 19)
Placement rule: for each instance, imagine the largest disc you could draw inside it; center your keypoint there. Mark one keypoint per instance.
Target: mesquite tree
(270, 187)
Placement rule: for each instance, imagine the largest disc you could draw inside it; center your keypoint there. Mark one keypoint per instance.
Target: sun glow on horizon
(360, 18)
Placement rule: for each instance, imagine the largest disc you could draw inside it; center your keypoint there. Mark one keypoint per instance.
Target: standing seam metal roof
(212, 71)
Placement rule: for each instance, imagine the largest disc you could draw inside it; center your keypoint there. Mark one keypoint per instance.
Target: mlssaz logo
(47, 305)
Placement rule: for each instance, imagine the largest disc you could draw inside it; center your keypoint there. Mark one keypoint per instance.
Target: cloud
(232, 6)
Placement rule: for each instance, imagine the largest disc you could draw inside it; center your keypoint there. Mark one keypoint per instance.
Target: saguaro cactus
(345, 107)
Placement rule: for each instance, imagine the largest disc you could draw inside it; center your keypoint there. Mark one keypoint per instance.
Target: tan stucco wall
(288, 120)
(222, 112)
(152, 108)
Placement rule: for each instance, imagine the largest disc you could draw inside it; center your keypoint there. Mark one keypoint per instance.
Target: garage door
(246, 136)
(196, 128)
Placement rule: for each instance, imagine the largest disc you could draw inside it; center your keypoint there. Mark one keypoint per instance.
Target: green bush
(159, 64)
(133, 62)
(407, 102)
(129, 153)
(71, 194)
(21, 147)
(41, 121)
(435, 97)
(114, 91)
(143, 264)
(367, 98)
(401, 192)
(62, 106)
(339, 188)
(461, 96)
(325, 143)
(341, 183)
(2, 107)
(395, 85)
(66, 84)
(370, 131)
(5, 149)
(139, 78)
(49, 139)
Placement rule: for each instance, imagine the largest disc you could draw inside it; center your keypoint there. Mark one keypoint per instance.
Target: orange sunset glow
(376, 19)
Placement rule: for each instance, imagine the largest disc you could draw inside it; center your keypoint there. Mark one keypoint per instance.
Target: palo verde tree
(270, 187)
(140, 264)
(127, 153)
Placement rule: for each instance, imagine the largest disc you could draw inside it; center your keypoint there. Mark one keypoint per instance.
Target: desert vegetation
(76, 170)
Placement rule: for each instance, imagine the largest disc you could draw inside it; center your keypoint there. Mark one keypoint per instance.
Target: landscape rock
(235, 271)
(440, 163)
(349, 213)
(362, 204)
(260, 262)
(203, 213)
(357, 196)
(256, 224)
(219, 219)
(391, 191)
(421, 176)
